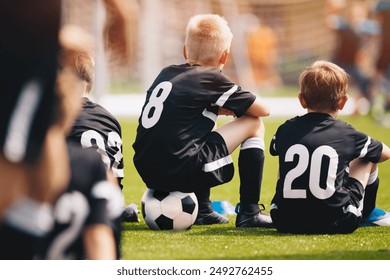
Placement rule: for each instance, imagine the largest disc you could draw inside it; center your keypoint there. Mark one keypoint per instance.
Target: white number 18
(156, 102)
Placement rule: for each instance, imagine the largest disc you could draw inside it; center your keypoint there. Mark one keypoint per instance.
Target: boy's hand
(226, 112)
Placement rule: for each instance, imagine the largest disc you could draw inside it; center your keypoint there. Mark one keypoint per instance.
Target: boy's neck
(333, 114)
(205, 64)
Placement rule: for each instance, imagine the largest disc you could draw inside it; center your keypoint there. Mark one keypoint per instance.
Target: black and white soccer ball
(169, 210)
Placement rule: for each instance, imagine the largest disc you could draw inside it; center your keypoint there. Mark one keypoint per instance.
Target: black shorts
(344, 219)
(216, 163)
(210, 167)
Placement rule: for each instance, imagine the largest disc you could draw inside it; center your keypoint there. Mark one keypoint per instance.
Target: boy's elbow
(263, 111)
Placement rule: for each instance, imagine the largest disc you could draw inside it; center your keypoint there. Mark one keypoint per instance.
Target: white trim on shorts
(219, 163)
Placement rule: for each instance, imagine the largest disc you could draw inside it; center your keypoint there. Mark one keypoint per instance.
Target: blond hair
(207, 37)
(323, 85)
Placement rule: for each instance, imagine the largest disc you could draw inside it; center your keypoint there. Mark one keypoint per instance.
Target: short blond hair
(322, 85)
(207, 37)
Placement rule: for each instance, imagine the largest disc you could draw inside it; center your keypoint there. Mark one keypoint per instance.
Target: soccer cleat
(130, 213)
(259, 219)
(377, 217)
(210, 218)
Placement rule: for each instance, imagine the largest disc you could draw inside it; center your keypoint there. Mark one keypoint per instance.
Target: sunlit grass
(227, 242)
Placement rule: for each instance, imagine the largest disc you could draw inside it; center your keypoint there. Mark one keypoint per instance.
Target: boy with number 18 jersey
(176, 148)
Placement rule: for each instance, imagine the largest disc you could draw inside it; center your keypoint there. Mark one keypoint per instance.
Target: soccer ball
(169, 210)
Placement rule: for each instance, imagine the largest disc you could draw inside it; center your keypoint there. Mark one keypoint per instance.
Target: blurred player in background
(382, 13)
(87, 215)
(34, 164)
(98, 129)
(345, 20)
(33, 158)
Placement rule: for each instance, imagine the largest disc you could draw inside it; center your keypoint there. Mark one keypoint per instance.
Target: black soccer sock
(370, 198)
(204, 203)
(251, 164)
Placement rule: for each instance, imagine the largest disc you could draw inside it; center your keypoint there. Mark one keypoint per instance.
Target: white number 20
(314, 171)
(150, 118)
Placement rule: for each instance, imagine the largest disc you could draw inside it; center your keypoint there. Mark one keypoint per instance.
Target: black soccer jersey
(22, 227)
(96, 127)
(28, 67)
(179, 113)
(88, 200)
(314, 153)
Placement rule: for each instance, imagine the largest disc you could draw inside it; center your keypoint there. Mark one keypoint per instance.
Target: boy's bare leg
(249, 133)
(360, 170)
(241, 129)
(234, 133)
(367, 174)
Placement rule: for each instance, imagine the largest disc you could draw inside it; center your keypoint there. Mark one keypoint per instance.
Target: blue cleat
(377, 217)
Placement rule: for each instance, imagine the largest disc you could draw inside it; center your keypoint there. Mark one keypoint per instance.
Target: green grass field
(221, 242)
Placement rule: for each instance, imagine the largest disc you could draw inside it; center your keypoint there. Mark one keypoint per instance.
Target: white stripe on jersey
(30, 216)
(254, 142)
(224, 97)
(365, 148)
(209, 115)
(20, 124)
(274, 145)
(211, 166)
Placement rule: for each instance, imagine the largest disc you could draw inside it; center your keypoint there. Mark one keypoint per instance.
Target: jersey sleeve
(230, 96)
(368, 148)
(272, 148)
(106, 203)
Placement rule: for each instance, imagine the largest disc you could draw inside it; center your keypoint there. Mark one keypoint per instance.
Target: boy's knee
(360, 169)
(255, 123)
(258, 127)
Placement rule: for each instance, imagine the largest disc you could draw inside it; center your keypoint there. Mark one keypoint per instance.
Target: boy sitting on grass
(328, 177)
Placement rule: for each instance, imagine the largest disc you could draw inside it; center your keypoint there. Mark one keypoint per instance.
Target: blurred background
(274, 40)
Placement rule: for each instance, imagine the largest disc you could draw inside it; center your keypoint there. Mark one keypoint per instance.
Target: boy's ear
(302, 101)
(184, 52)
(343, 101)
(224, 57)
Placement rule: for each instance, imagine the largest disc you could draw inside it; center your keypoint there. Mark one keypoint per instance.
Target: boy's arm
(99, 243)
(258, 109)
(385, 153)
